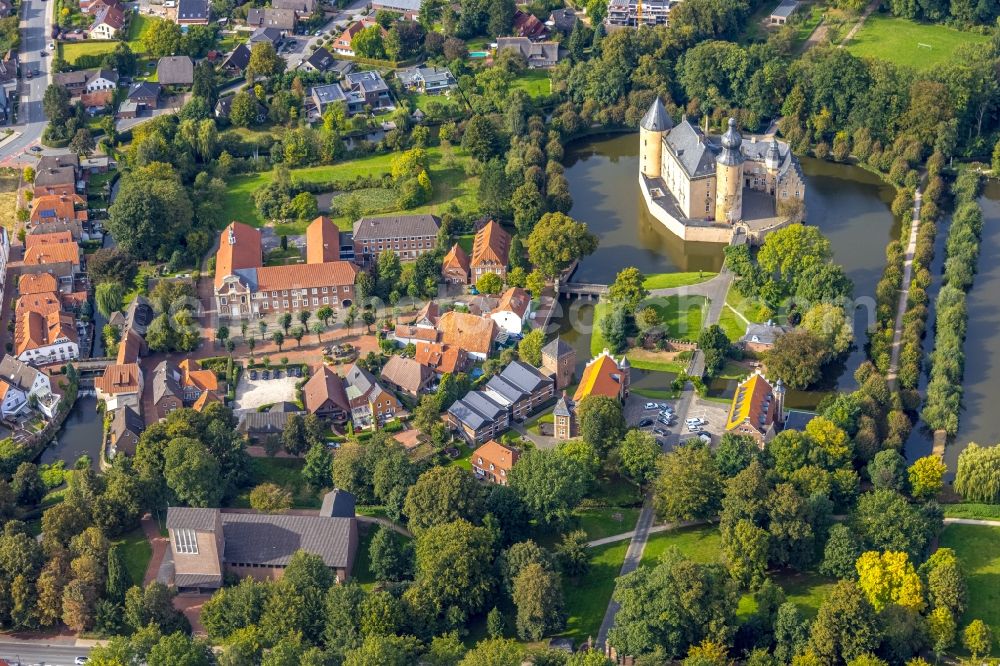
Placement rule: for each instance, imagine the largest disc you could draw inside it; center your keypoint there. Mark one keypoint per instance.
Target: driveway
(254, 393)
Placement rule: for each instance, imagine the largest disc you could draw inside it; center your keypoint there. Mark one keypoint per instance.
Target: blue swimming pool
(478, 54)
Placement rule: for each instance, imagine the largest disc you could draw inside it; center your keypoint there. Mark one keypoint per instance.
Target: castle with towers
(712, 188)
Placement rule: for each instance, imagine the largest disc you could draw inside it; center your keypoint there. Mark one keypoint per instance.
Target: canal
(850, 205)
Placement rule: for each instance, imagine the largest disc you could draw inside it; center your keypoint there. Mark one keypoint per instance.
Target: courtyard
(252, 394)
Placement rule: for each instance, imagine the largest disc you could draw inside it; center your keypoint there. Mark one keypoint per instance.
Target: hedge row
(944, 391)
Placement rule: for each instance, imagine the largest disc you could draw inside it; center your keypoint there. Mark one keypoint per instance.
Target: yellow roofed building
(757, 408)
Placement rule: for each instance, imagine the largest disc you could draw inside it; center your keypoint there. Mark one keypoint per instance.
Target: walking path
(972, 521)
(159, 544)
(655, 529)
(632, 558)
(904, 292)
(872, 6)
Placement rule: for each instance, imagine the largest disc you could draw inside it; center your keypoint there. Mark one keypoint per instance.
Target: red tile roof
(37, 283)
(602, 376)
(305, 276)
(322, 241)
(325, 384)
(239, 247)
(52, 253)
(472, 333)
(122, 378)
(491, 246)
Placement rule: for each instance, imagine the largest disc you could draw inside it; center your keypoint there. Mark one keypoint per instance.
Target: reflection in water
(80, 435)
(980, 419)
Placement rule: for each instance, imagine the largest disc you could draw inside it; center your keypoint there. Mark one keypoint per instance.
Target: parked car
(253, 374)
(645, 423)
(36, 149)
(650, 405)
(659, 431)
(29, 74)
(665, 421)
(265, 375)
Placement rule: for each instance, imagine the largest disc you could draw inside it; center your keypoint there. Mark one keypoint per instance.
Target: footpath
(904, 292)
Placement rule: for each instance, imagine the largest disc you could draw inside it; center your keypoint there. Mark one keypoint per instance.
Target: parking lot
(712, 414)
(254, 393)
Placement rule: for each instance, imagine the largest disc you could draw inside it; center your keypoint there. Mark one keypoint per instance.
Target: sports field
(917, 45)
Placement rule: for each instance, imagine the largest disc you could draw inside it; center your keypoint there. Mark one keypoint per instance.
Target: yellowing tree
(889, 578)
(831, 445)
(927, 476)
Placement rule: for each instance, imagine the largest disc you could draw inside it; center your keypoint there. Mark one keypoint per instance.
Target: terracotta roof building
(324, 395)
(207, 543)
(512, 311)
(528, 25)
(41, 339)
(604, 376)
(54, 253)
(120, 385)
(57, 208)
(494, 461)
(489, 252)
(244, 287)
(322, 241)
(37, 283)
(475, 335)
(455, 267)
(406, 375)
(757, 408)
(442, 358)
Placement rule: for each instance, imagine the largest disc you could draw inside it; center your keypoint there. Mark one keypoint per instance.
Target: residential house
(54, 180)
(97, 102)
(33, 382)
(167, 394)
(236, 62)
(371, 404)
(563, 20)
(325, 396)
(54, 254)
(75, 227)
(455, 267)
(4, 258)
(325, 95)
(57, 161)
(406, 375)
(539, 55)
(410, 9)
(244, 287)
(603, 375)
(512, 311)
(493, 462)
(272, 35)
(528, 25)
(475, 335)
(757, 409)
(195, 382)
(521, 388)
(409, 236)
(628, 13)
(13, 400)
(761, 337)
(406, 334)
(8, 84)
(192, 12)
(225, 106)
(75, 84)
(322, 241)
(120, 386)
(58, 208)
(96, 163)
(490, 251)
(427, 80)
(109, 19)
(126, 427)
(342, 45)
(427, 316)
(41, 338)
(175, 71)
(319, 61)
(101, 80)
(284, 20)
(559, 362)
(206, 544)
(441, 358)
(142, 96)
(369, 87)
(300, 7)
(477, 417)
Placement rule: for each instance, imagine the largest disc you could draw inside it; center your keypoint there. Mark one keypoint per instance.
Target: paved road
(632, 559)
(904, 292)
(39, 652)
(301, 49)
(36, 23)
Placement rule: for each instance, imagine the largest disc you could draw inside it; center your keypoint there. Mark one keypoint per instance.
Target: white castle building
(710, 188)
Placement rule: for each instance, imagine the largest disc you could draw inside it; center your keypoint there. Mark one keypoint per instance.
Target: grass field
(731, 324)
(978, 547)
(137, 553)
(447, 177)
(603, 522)
(586, 598)
(8, 203)
(535, 82)
(701, 544)
(137, 26)
(420, 101)
(897, 40)
(671, 280)
(681, 316)
(285, 472)
(70, 51)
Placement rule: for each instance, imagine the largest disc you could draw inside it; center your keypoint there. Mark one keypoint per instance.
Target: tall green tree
(537, 595)
(688, 486)
(602, 422)
(557, 241)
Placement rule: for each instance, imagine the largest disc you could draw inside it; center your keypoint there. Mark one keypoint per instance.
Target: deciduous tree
(557, 241)
(688, 486)
(537, 594)
(889, 578)
(638, 454)
(442, 495)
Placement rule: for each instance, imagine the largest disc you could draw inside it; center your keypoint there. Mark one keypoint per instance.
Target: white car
(650, 405)
(81, 660)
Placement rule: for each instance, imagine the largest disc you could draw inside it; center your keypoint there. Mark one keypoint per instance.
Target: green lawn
(655, 394)
(603, 522)
(980, 511)
(672, 367)
(906, 42)
(752, 309)
(681, 315)
(671, 280)
(466, 242)
(978, 547)
(805, 590)
(731, 324)
(586, 598)
(137, 553)
(701, 544)
(137, 26)
(462, 460)
(70, 51)
(362, 573)
(535, 82)
(421, 100)
(448, 178)
(285, 472)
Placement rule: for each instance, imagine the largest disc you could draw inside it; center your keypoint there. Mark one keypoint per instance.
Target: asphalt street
(29, 653)
(36, 25)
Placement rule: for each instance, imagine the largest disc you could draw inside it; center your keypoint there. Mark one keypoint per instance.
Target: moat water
(852, 208)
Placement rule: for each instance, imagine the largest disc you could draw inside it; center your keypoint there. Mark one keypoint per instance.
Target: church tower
(729, 177)
(653, 126)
